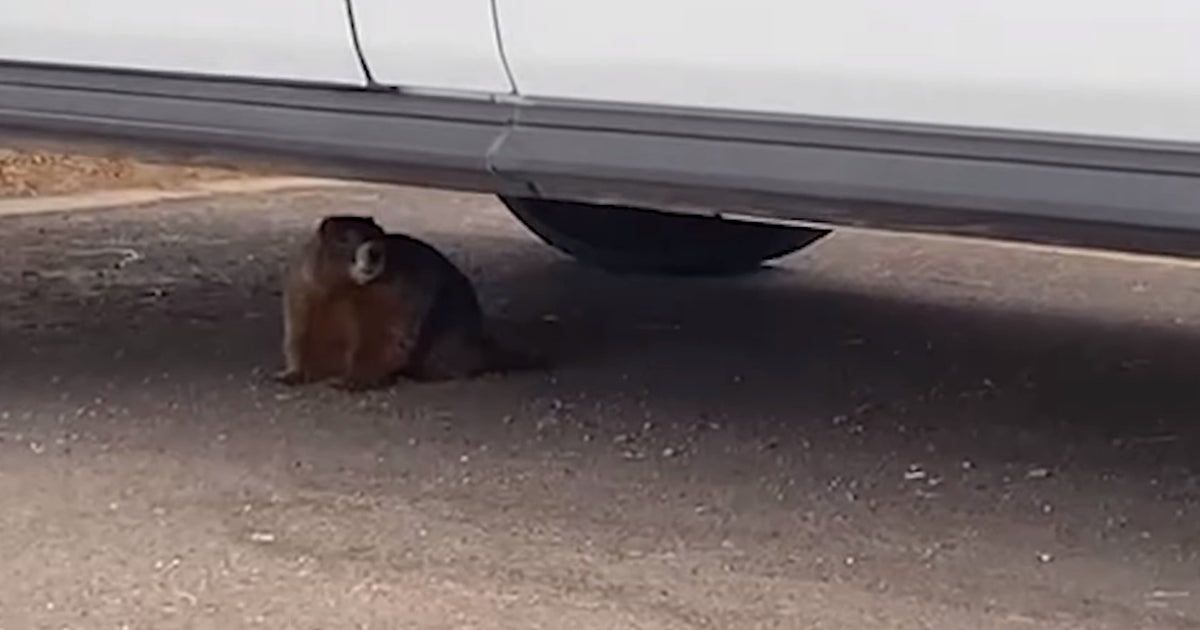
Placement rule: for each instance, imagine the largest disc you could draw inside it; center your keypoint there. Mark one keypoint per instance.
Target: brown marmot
(363, 307)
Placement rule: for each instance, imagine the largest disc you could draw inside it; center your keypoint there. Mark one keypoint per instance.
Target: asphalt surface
(878, 432)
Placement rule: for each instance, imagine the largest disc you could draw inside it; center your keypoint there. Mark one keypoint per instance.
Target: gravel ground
(880, 432)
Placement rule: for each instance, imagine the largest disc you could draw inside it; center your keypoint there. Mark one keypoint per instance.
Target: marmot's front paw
(353, 384)
(290, 378)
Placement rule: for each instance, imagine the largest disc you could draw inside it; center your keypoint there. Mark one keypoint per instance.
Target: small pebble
(1162, 594)
(914, 474)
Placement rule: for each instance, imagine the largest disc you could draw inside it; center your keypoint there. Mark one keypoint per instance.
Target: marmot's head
(351, 248)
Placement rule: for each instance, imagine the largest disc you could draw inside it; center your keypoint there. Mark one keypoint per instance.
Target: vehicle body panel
(443, 45)
(1118, 68)
(294, 40)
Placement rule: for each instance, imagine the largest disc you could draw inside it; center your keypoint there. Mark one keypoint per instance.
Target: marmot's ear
(337, 222)
(327, 223)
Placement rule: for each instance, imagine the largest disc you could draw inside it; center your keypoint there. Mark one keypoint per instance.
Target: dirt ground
(880, 432)
(35, 174)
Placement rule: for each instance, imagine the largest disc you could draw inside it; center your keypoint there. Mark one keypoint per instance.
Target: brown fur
(363, 307)
(319, 300)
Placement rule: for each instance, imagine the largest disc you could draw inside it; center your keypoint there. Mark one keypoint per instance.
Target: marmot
(364, 307)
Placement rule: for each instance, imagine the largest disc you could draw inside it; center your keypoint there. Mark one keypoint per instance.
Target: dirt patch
(37, 174)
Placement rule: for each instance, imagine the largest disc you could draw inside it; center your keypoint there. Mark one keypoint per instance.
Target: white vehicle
(755, 125)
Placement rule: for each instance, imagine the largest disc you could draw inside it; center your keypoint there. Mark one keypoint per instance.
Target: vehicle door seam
(358, 51)
(498, 34)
